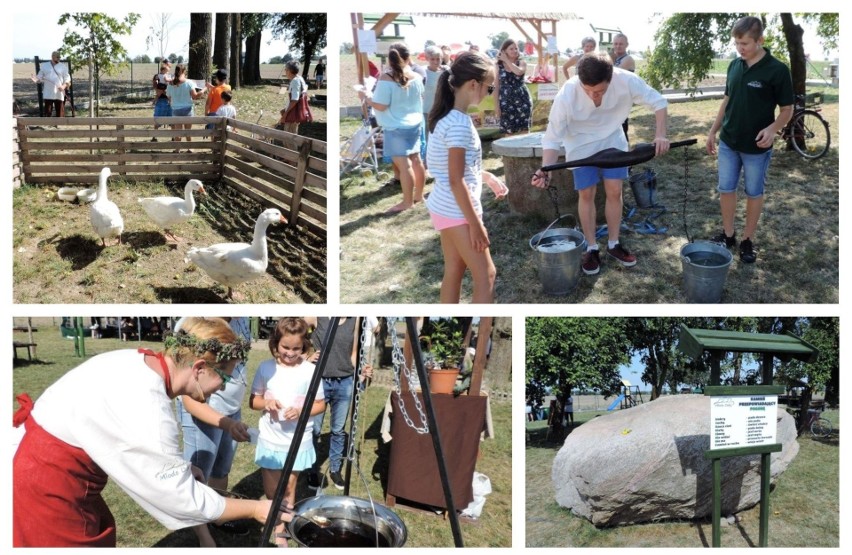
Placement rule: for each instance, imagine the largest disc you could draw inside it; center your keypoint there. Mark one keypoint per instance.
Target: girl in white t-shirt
(454, 158)
(279, 390)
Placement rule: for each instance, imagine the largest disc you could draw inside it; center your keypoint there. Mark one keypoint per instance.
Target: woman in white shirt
(111, 417)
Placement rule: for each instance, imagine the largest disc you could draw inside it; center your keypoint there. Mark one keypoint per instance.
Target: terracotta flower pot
(443, 381)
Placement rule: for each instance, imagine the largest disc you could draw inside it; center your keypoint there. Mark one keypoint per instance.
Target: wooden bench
(30, 347)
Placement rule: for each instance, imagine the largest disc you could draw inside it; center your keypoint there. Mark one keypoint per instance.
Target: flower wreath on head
(239, 349)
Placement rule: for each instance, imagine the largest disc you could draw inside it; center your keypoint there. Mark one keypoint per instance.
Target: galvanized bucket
(559, 256)
(705, 268)
(644, 186)
(343, 521)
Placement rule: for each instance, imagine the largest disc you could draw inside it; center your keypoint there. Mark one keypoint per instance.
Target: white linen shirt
(53, 76)
(115, 408)
(584, 129)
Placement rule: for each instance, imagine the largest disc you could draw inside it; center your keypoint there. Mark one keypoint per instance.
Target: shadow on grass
(195, 295)
(24, 363)
(144, 239)
(78, 250)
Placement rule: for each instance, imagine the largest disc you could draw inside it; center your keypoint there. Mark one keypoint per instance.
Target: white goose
(168, 212)
(106, 219)
(233, 263)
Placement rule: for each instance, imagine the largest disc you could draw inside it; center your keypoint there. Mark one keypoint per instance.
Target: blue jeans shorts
(402, 142)
(752, 166)
(208, 447)
(588, 176)
(182, 111)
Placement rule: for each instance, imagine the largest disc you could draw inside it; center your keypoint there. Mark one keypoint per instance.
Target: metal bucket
(705, 267)
(342, 521)
(558, 262)
(644, 186)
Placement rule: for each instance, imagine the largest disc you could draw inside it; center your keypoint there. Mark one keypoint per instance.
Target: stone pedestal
(521, 158)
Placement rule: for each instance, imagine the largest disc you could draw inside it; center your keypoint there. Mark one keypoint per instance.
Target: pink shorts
(442, 222)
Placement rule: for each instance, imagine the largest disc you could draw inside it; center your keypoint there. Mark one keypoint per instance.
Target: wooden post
(301, 170)
(767, 369)
(765, 460)
(479, 360)
(717, 502)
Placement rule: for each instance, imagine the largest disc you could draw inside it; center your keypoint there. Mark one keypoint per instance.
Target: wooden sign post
(743, 421)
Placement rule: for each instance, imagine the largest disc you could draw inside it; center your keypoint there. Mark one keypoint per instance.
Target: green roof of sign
(694, 342)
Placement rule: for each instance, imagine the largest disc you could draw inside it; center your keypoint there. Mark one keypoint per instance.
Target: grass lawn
(804, 505)
(137, 529)
(397, 259)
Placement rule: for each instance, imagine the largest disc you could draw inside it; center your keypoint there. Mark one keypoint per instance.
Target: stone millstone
(647, 464)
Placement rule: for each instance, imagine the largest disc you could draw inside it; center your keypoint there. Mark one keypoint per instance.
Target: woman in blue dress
(514, 99)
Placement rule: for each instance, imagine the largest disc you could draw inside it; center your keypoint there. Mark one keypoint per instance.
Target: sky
(638, 26)
(36, 34)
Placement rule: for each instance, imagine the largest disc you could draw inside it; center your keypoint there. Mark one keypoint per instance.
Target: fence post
(23, 148)
(16, 158)
(301, 170)
(223, 134)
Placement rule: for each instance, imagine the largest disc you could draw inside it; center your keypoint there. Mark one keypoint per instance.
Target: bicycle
(819, 426)
(807, 132)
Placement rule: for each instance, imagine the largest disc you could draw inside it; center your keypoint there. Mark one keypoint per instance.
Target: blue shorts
(402, 142)
(162, 108)
(183, 111)
(752, 166)
(273, 457)
(588, 176)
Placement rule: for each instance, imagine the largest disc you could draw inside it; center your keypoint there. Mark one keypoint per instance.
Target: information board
(743, 420)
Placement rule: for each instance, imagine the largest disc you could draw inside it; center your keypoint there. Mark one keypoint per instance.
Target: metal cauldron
(342, 521)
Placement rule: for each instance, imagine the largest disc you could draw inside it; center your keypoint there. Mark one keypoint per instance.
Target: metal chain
(362, 361)
(399, 364)
(551, 190)
(685, 191)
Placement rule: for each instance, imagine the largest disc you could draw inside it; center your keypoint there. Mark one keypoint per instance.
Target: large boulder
(647, 464)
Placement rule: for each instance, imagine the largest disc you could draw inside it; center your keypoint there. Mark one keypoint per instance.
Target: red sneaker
(592, 262)
(622, 255)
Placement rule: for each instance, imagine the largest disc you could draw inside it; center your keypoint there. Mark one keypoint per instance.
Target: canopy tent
(534, 26)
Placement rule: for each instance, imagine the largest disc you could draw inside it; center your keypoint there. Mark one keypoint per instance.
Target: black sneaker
(313, 480)
(747, 253)
(233, 527)
(723, 239)
(337, 479)
(591, 262)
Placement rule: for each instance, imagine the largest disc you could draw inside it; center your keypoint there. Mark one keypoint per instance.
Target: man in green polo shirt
(756, 84)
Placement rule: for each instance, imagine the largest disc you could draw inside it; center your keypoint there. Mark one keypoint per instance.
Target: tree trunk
(796, 50)
(251, 67)
(236, 49)
(200, 45)
(91, 86)
(500, 361)
(222, 42)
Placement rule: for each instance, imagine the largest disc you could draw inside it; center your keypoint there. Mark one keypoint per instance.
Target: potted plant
(445, 355)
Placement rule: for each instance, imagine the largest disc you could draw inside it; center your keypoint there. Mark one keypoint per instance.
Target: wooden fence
(275, 168)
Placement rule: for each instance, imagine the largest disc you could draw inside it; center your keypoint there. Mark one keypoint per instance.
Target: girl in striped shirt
(455, 161)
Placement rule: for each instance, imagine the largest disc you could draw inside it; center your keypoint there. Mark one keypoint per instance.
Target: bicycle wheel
(821, 427)
(809, 134)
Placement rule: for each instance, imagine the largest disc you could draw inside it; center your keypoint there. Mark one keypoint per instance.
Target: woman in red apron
(111, 417)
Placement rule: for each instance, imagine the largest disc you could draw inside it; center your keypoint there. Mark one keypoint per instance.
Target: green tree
(304, 31)
(98, 44)
(142, 59)
(567, 353)
(497, 39)
(252, 25)
(684, 45)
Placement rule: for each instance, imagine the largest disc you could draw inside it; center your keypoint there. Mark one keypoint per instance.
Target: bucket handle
(541, 235)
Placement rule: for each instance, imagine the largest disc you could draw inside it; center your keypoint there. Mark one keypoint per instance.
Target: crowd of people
(80, 432)
(589, 115)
